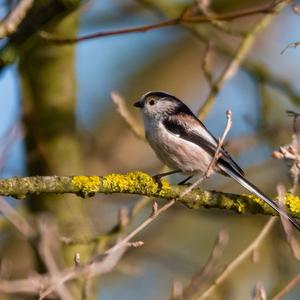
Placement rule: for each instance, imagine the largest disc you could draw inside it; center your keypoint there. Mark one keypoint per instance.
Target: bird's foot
(157, 178)
(184, 182)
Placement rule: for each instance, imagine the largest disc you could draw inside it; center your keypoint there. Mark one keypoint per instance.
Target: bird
(183, 143)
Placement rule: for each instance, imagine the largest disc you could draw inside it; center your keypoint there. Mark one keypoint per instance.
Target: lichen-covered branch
(140, 184)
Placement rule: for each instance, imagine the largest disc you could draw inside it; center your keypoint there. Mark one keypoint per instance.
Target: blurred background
(57, 118)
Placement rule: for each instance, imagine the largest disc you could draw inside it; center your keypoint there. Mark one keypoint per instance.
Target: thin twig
(296, 9)
(129, 119)
(155, 213)
(48, 236)
(259, 292)
(182, 19)
(204, 7)
(16, 219)
(236, 262)
(11, 22)
(287, 288)
(205, 63)
(289, 46)
(287, 227)
(205, 274)
(234, 64)
(215, 158)
(122, 245)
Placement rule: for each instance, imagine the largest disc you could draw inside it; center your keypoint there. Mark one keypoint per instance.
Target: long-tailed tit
(184, 144)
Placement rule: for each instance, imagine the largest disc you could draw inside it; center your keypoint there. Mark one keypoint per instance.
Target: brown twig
(289, 46)
(236, 262)
(48, 237)
(287, 227)
(11, 22)
(130, 121)
(215, 158)
(11, 136)
(259, 292)
(155, 213)
(16, 219)
(290, 153)
(100, 264)
(295, 116)
(204, 8)
(287, 288)
(205, 274)
(205, 63)
(236, 60)
(182, 19)
(296, 9)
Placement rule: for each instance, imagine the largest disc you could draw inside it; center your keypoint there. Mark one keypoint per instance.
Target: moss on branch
(139, 183)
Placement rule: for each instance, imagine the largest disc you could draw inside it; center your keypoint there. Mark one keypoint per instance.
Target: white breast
(174, 151)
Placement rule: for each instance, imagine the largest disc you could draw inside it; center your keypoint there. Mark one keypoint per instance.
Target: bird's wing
(191, 129)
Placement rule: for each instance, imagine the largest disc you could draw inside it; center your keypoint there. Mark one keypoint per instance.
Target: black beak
(139, 104)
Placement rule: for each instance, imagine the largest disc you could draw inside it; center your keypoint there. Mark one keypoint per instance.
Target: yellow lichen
(134, 182)
(86, 184)
(293, 202)
(164, 188)
(255, 199)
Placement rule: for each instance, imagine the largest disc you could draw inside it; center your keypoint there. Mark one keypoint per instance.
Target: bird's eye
(152, 102)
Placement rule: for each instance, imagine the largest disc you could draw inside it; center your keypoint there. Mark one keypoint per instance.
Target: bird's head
(158, 104)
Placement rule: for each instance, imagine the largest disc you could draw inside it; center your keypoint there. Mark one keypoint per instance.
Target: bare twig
(155, 213)
(11, 22)
(296, 9)
(100, 264)
(129, 119)
(13, 134)
(205, 63)
(48, 236)
(16, 219)
(240, 54)
(287, 288)
(259, 292)
(193, 288)
(290, 153)
(77, 259)
(236, 262)
(92, 268)
(295, 116)
(177, 290)
(291, 240)
(182, 19)
(204, 7)
(215, 158)
(289, 46)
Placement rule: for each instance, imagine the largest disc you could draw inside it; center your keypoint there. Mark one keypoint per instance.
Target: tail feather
(253, 189)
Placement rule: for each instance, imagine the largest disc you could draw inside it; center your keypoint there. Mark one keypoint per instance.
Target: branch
(236, 262)
(182, 19)
(287, 288)
(11, 22)
(215, 158)
(238, 57)
(139, 183)
(192, 289)
(130, 121)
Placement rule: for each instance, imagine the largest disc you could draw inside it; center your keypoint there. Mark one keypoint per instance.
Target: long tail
(254, 190)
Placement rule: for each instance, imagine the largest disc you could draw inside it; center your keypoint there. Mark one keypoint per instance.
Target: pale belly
(178, 153)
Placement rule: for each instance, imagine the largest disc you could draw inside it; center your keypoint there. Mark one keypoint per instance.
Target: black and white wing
(188, 127)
